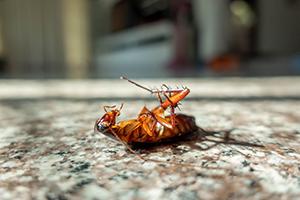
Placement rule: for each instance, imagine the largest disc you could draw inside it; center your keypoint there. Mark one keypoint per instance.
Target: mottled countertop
(49, 150)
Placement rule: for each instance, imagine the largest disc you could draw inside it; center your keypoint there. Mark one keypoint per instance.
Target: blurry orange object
(224, 63)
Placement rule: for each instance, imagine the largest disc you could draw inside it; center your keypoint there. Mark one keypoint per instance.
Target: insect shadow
(201, 139)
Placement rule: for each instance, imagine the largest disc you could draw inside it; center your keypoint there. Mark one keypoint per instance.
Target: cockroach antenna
(168, 89)
(130, 81)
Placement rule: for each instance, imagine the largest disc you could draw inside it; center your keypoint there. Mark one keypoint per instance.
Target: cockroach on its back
(150, 126)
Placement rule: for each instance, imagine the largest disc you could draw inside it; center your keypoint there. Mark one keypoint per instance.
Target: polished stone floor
(251, 150)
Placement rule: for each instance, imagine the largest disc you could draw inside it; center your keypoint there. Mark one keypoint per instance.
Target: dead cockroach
(150, 126)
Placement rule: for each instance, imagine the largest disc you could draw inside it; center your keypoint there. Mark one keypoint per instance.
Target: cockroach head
(108, 119)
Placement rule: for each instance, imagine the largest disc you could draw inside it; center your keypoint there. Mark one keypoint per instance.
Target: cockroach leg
(159, 97)
(173, 115)
(168, 98)
(164, 85)
(122, 104)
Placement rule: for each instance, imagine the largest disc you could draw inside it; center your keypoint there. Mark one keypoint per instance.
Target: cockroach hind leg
(168, 98)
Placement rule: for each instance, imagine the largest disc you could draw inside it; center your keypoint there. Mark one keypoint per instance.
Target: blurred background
(148, 38)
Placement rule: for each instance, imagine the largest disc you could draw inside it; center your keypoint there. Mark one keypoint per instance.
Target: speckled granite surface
(48, 150)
